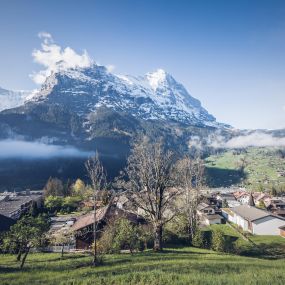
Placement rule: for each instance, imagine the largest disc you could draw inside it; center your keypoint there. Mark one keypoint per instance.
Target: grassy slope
(262, 166)
(270, 247)
(179, 266)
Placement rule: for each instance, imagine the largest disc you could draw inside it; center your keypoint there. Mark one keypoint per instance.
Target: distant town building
(14, 205)
(254, 220)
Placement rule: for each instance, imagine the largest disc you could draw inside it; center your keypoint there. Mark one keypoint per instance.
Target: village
(251, 212)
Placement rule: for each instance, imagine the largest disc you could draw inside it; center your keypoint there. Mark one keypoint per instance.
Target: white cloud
(54, 58)
(110, 67)
(37, 150)
(257, 139)
(283, 108)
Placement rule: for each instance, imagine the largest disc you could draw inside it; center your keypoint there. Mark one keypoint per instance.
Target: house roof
(14, 204)
(88, 219)
(250, 213)
(202, 206)
(5, 223)
(213, 217)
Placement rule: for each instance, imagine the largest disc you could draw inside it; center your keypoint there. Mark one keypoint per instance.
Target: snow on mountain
(11, 99)
(156, 95)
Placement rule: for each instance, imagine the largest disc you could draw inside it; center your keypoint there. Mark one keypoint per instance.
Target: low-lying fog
(10, 149)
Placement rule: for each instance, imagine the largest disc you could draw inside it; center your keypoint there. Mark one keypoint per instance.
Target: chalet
(276, 206)
(254, 220)
(83, 226)
(207, 215)
(229, 197)
(282, 231)
(210, 199)
(204, 208)
(14, 205)
(5, 223)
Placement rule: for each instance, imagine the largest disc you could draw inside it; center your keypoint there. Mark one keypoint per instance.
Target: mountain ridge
(156, 95)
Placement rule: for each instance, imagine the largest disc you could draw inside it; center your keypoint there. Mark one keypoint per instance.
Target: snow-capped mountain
(11, 99)
(154, 96)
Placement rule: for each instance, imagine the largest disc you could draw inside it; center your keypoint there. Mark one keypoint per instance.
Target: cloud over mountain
(254, 139)
(37, 150)
(54, 58)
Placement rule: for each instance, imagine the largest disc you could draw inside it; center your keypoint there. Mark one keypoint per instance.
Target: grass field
(174, 266)
(262, 167)
(269, 247)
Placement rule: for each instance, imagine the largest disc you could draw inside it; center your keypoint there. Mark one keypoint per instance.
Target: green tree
(53, 203)
(217, 240)
(28, 232)
(221, 242)
(70, 204)
(127, 236)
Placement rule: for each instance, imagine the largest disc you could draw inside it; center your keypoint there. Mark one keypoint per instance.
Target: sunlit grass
(174, 266)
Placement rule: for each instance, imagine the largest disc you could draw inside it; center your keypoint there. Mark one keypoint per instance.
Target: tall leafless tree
(97, 176)
(150, 181)
(191, 173)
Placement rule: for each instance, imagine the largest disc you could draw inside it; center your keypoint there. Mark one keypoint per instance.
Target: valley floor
(174, 266)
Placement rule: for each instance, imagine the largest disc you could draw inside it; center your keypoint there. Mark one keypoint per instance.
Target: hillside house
(207, 215)
(254, 220)
(14, 205)
(6, 223)
(282, 231)
(83, 226)
(276, 206)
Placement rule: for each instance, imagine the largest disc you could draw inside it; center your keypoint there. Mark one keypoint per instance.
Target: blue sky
(229, 54)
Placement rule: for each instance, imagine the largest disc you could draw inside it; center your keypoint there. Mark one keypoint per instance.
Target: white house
(207, 215)
(254, 220)
(204, 208)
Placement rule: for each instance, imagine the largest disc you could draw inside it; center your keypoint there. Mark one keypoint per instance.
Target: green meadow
(262, 167)
(173, 266)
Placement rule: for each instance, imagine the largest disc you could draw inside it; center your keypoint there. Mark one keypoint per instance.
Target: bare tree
(150, 181)
(190, 173)
(97, 176)
(63, 237)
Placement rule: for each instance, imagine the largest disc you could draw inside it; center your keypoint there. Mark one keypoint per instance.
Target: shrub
(120, 234)
(53, 203)
(202, 239)
(223, 243)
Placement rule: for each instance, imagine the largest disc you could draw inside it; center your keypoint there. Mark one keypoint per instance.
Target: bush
(223, 243)
(175, 232)
(120, 234)
(70, 204)
(202, 239)
(53, 203)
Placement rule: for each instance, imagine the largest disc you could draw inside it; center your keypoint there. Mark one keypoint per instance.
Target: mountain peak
(154, 96)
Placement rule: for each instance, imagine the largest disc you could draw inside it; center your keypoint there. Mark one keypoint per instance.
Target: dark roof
(88, 219)
(213, 217)
(14, 204)
(5, 223)
(202, 206)
(250, 213)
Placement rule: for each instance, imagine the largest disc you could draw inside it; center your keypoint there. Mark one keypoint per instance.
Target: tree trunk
(62, 251)
(145, 245)
(24, 258)
(95, 233)
(158, 238)
(19, 255)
